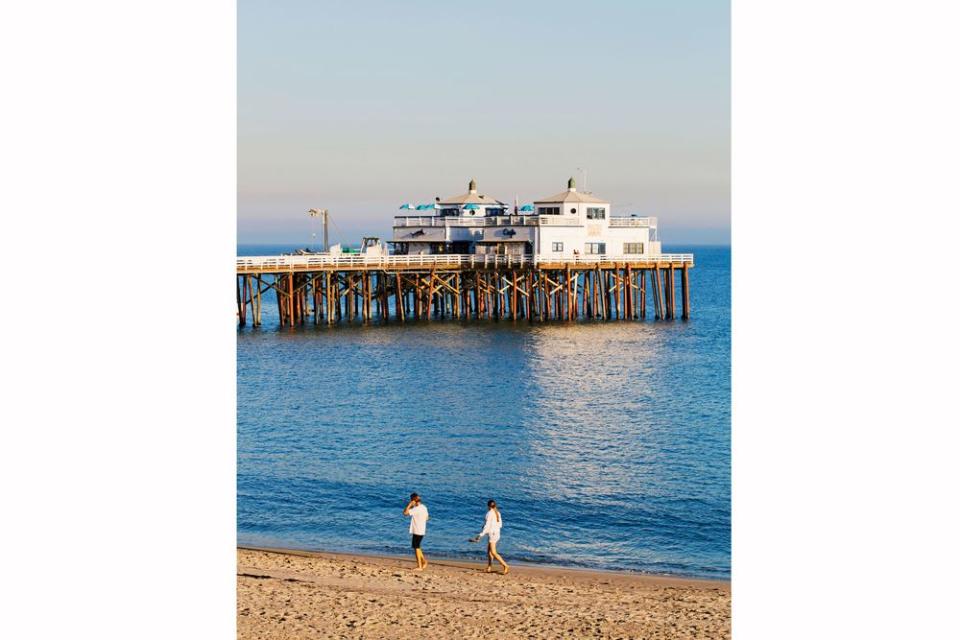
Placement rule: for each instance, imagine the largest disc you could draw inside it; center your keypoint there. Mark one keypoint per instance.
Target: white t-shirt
(418, 520)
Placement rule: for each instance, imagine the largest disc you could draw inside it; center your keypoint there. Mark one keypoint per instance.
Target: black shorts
(415, 541)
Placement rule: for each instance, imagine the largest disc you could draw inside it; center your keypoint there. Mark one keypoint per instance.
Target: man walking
(418, 527)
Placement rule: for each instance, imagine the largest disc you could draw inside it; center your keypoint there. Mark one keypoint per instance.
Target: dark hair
(414, 496)
(491, 503)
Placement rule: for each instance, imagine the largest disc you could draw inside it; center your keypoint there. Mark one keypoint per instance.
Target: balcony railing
(458, 221)
(633, 222)
(513, 221)
(562, 220)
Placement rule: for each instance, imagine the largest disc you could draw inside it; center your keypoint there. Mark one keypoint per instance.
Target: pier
(359, 288)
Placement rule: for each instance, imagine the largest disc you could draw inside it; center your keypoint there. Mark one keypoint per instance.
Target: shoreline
(286, 594)
(532, 567)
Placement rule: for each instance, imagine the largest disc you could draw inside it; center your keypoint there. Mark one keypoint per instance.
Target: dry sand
(286, 594)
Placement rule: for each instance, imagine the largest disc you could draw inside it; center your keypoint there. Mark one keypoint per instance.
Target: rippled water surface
(606, 444)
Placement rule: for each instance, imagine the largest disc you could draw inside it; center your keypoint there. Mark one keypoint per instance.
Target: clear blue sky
(361, 106)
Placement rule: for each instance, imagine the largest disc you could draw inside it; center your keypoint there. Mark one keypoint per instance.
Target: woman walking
(491, 529)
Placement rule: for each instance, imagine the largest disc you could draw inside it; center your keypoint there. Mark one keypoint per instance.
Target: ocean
(605, 444)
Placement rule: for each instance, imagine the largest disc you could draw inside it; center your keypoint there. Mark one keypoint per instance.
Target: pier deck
(420, 287)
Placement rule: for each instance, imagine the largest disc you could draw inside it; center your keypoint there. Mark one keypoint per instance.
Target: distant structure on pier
(564, 225)
(564, 257)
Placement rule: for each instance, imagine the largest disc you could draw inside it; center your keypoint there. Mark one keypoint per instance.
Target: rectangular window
(633, 247)
(549, 211)
(449, 212)
(595, 248)
(596, 213)
(557, 247)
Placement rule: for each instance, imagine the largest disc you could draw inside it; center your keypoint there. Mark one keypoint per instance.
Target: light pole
(320, 213)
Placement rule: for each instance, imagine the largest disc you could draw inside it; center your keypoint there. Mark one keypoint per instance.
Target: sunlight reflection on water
(606, 444)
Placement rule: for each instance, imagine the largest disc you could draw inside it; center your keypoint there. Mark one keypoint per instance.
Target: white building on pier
(566, 224)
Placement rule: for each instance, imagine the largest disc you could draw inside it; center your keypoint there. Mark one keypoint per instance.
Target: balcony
(633, 222)
(456, 221)
(562, 220)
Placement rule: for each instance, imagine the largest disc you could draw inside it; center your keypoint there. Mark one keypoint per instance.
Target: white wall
(617, 236)
(495, 234)
(579, 209)
(430, 234)
(574, 233)
(571, 237)
(576, 238)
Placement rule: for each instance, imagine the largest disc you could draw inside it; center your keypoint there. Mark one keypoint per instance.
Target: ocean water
(605, 444)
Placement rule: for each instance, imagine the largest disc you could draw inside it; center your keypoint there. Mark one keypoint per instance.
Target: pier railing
(444, 261)
(662, 258)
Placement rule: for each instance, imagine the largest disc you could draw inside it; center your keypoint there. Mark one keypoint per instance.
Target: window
(633, 247)
(557, 247)
(573, 210)
(494, 211)
(596, 213)
(595, 248)
(549, 211)
(449, 212)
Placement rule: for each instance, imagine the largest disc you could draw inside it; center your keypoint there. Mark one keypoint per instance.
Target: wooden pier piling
(461, 287)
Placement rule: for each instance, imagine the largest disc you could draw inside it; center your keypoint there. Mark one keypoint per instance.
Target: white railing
(561, 220)
(347, 261)
(511, 221)
(663, 258)
(457, 221)
(633, 222)
(508, 221)
(291, 263)
(435, 221)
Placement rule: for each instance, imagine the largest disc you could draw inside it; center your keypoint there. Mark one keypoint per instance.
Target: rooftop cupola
(471, 197)
(571, 195)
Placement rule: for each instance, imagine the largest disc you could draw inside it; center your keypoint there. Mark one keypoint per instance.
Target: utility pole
(325, 214)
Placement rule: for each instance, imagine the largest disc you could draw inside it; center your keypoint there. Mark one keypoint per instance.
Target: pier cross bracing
(357, 288)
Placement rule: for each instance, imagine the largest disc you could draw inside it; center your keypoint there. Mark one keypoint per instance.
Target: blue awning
(424, 207)
(526, 207)
(471, 206)
(406, 205)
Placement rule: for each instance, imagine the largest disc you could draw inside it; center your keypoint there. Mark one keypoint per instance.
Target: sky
(359, 107)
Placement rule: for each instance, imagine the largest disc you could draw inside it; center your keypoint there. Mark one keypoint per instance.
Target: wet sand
(293, 594)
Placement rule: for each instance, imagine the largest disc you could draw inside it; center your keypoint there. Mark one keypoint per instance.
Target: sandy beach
(291, 594)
